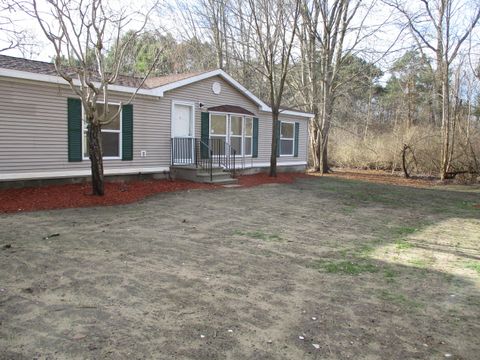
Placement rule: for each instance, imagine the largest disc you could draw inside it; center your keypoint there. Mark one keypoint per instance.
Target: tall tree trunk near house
(273, 155)
(324, 131)
(96, 160)
(446, 123)
(314, 143)
(323, 153)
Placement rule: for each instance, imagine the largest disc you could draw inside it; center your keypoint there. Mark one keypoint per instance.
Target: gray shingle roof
(45, 68)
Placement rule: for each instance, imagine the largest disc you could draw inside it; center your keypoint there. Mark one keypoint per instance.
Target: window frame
(119, 132)
(241, 136)
(228, 130)
(247, 136)
(280, 138)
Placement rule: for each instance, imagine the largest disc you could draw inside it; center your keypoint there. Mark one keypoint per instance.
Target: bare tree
(209, 19)
(323, 37)
(80, 32)
(274, 24)
(14, 37)
(444, 38)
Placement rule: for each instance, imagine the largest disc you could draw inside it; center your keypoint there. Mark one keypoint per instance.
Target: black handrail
(224, 154)
(202, 161)
(193, 151)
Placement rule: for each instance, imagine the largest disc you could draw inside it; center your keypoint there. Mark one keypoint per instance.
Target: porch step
(219, 175)
(229, 181)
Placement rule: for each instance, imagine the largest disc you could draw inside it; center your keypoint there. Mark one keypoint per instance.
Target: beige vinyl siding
(33, 130)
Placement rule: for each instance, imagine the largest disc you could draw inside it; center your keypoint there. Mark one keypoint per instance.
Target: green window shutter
(279, 125)
(74, 110)
(204, 134)
(255, 138)
(297, 131)
(127, 132)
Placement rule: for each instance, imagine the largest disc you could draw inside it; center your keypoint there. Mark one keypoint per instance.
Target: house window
(236, 130)
(248, 143)
(218, 133)
(236, 133)
(111, 132)
(287, 138)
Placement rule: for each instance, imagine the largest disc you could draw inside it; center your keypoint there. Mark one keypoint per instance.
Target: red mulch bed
(116, 193)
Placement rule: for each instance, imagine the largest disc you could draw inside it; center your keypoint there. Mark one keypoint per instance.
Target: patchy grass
(344, 267)
(259, 235)
(403, 245)
(402, 231)
(473, 265)
(399, 299)
(421, 263)
(390, 275)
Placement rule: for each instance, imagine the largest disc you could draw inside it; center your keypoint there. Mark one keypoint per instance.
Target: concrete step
(219, 175)
(222, 178)
(214, 174)
(229, 181)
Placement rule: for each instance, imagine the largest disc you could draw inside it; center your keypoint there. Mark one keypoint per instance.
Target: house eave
(155, 92)
(52, 79)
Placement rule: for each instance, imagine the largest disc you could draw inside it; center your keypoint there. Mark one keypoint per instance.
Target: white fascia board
(80, 173)
(292, 112)
(25, 75)
(297, 113)
(162, 89)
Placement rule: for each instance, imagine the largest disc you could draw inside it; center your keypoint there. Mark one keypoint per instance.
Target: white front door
(182, 121)
(183, 139)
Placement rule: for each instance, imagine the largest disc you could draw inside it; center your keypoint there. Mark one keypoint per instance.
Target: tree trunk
(314, 144)
(96, 160)
(273, 155)
(404, 161)
(445, 163)
(323, 155)
(326, 118)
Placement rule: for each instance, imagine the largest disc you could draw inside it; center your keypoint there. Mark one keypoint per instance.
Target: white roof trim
(25, 75)
(174, 85)
(158, 91)
(295, 113)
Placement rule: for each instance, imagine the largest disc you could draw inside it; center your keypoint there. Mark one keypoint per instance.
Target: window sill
(106, 158)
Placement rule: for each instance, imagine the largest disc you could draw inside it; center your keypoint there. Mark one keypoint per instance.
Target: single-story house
(175, 121)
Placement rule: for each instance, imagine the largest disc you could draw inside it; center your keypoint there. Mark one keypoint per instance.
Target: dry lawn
(361, 270)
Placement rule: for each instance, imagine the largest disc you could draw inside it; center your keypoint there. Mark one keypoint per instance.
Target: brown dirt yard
(324, 268)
